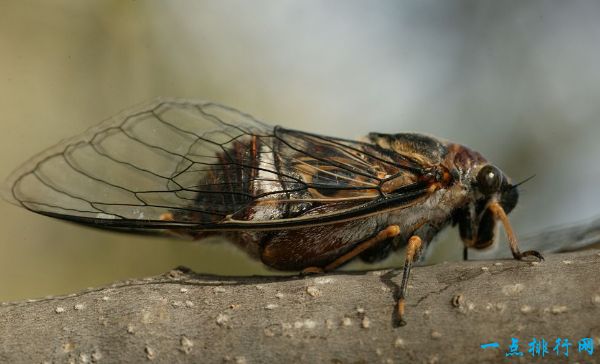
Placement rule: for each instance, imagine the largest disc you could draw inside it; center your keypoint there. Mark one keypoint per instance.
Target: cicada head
(493, 196)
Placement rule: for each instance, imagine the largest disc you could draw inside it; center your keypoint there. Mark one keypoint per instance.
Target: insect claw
(533, 253)
(519, 256)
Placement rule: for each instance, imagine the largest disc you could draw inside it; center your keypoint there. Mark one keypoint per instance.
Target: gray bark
(452, 309)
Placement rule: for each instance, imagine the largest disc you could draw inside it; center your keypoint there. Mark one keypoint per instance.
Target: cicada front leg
(498, 211)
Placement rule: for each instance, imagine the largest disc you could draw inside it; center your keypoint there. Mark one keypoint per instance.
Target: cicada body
(295, 200)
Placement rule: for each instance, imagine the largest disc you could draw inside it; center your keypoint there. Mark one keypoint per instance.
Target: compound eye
(489, 179)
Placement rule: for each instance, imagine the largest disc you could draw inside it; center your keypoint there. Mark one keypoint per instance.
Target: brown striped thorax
(295, 200)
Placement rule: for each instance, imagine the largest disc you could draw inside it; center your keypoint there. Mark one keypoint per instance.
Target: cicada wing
(137, 165)
(186, 164)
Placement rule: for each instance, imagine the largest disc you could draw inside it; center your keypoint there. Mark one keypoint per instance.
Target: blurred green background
(518, 81)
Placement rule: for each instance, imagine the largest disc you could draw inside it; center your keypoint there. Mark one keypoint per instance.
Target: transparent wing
(200, 165)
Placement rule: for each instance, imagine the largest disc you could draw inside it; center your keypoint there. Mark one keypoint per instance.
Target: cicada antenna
(523, 181)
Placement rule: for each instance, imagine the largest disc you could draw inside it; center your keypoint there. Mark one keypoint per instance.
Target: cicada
(295, 200)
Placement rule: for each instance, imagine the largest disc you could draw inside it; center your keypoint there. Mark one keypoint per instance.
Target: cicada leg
(498, 211)
(415, 246)
(413, 250)
(387, 233)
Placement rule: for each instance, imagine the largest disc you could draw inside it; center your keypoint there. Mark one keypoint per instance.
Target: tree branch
(342, 317)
